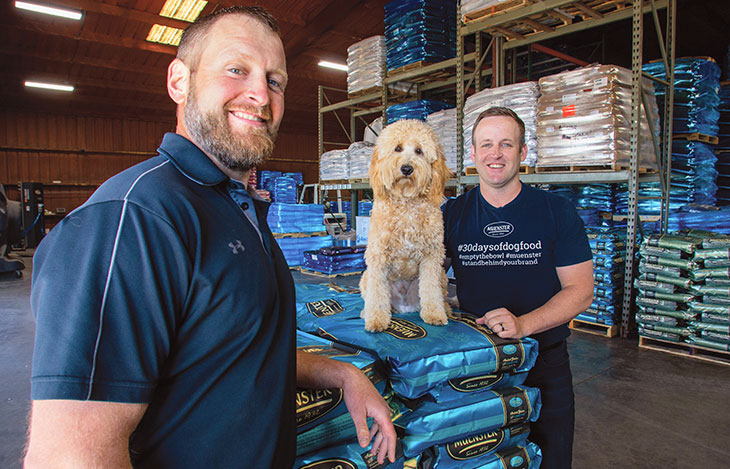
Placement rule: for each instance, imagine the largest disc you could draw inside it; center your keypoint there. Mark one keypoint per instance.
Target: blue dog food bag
(315, 405)
(418, 356)
(431, 423)
(348, 456)
(528, 456)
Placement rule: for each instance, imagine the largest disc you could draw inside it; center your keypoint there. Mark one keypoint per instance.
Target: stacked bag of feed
(364, 207)
(723, 147)
(521, 98)
(360, 154)
(584, 118)
(649, 198)
(267, 178)
(300, 219)
(609, 258)
(366, 64)
(443, 124)
(696, 98)
(711, 284)
(334, 164)
(703, 217)
(284, 190)
(458, 397)
(419, 109)
(335, 260)
(694, 177)
(664, 286)
(419, 31)
(697, 309)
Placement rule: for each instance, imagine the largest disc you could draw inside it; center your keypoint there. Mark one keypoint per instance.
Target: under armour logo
(236, 246)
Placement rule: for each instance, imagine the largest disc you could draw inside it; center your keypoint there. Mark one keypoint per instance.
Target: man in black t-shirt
(523, 264)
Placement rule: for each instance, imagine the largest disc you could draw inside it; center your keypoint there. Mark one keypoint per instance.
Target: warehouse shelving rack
(522, 26)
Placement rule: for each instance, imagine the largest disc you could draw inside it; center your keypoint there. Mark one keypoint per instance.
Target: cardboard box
(363, 226)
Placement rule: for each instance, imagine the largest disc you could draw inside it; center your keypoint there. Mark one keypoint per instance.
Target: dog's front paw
(434, 315)
(376, 321)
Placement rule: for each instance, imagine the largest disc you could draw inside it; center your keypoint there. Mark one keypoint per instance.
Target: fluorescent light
(185, 10)
(326, 64)
(71, 14)
(48, 86)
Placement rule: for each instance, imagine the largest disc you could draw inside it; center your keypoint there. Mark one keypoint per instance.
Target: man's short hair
(194, 35)
(500, 111)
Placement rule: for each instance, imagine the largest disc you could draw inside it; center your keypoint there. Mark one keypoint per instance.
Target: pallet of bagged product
(363, 92)
(604, 330)
(326, 275)
(432, 76)
(685, 350)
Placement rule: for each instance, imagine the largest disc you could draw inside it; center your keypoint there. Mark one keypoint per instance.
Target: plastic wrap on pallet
(419, 31)
(296, 218)
(364, 207)
(696, 98)
(267, 178)
(443, 124)
(294, 248)
(360, 154)
(584, 118)
(373, 129)
(284, 190)
(332, 261)
(334, 164)
(419, 109)
(366, 64)
(521, 98)
(715, 219)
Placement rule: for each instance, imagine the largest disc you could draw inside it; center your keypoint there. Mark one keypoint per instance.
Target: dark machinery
(11, 232)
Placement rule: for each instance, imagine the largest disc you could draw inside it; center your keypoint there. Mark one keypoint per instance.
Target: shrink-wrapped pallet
(334, 164)
(443, 124)
(520, 97)
(584, 118)
(360, 154)
(366, 64)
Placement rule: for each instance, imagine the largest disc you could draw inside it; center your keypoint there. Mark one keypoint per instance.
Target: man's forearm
(561, 308)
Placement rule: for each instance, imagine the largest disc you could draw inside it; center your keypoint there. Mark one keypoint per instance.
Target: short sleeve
(571, 245)
(108, 285)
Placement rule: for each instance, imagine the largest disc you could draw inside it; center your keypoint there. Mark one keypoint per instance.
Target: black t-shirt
(507, 256)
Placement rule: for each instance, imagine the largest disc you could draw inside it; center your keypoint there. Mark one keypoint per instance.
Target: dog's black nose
(406, 169)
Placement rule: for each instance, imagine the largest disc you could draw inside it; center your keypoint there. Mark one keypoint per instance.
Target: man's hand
(363, 401)
(503, 323)
(361, 398)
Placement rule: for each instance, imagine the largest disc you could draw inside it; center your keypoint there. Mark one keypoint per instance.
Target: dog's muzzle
(406, 170)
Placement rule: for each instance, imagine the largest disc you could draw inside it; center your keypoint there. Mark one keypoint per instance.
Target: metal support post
(632, 219)
(460, 98)
(668, 109)
(498, 62)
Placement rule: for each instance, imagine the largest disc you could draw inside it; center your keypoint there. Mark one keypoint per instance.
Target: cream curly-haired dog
(405, 251)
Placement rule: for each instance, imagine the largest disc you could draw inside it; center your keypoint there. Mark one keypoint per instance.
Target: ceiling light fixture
(185, 10)
(71, 14)
(326, 64)
(48, 86)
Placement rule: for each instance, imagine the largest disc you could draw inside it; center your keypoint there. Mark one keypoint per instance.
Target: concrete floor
(635, 408)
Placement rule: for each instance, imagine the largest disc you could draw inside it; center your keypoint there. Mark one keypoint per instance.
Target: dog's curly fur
(405, 251)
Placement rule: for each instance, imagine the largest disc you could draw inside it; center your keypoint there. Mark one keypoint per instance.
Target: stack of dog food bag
(584, 118)
(520, 97)
(456, 392)
(419, 109)
(297, 228)
(666, 281)
(419, 31)
(360, 154)
(334, 165)
(335, 260)
(443, 124)
(609, 252)
(723, 147)
(366, 64)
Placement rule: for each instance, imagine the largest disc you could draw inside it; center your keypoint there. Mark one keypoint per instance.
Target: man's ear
(178, 81)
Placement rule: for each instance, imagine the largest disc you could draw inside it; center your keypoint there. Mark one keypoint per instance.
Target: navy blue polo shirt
(505, 257)
(159, 290)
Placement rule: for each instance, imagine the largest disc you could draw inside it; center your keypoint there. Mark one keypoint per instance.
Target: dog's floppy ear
(374, 175)
(440, 174)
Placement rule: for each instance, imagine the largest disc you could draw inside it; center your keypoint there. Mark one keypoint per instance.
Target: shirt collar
(190, 160)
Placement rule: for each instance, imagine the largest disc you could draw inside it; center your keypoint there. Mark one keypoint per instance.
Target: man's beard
(212, 133)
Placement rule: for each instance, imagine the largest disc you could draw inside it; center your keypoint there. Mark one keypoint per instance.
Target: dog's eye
(399, 149)
(418, 151)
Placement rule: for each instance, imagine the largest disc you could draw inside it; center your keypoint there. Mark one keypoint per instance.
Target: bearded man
(165, 317)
